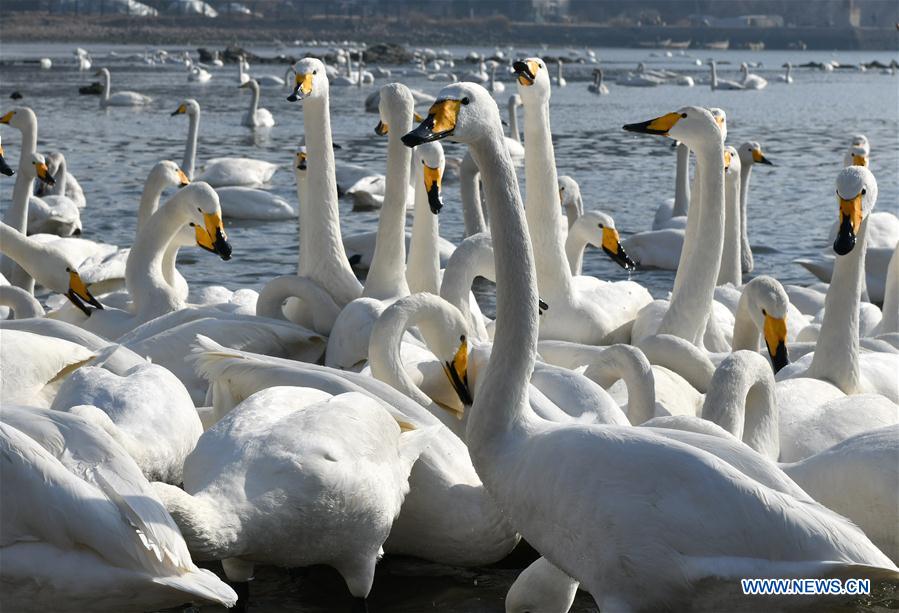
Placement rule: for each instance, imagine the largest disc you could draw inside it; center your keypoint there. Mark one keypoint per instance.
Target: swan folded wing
(28, 380)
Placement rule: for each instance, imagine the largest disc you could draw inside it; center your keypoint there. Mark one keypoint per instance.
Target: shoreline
(226, 30)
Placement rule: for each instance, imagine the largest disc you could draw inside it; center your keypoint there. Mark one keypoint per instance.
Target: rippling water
(803, 128)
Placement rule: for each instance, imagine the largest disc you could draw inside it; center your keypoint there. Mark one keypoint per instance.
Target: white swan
(52, 214)
(597, 229)
(447, 516)
(423, 266)
(51, 266)
(787, 77)
(513, 141)
(750, 154)
(23, 119)
(584, 309)
(56, 163)
(836, 358)
(673, 213)
(86, 529)
(598, 87)
(220, 172)
(33, 366)
(320, 234)
(305, 462)
(751, 81)
(590, 470)
(124, 98)
(725, 84)
(559, 80)
(256, 117)
(493, 85)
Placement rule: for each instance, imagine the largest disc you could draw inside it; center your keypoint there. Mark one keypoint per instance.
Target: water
(803, 128)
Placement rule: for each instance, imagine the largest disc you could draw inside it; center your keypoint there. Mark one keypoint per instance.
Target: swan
(124, 98)
(598, 87)
(640, 78)
(146, 409)
(220, 172)
(750, 154)
(673, 213)
(298, 463)
(730, 269)
(470, 189)
(151, 294)
(256, 117)
(717, 83)
(52, 214)
(447, 516)
(86, 529)
(584, 232)
(751, 81)
(23, 119)
(493, 85)
(20, 304)
(56, 163)
(386, 281)
(584, 309)
(559, 80)
(198, 74)
(572, 201)
(320, 234)
(589, 470)
(51, 266)
(787, 77)
(83, 59)
(836, 358)
(242, 68)
(513, 141)
(423, 266)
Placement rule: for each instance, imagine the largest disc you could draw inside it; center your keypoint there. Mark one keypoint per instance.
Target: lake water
(804, 129)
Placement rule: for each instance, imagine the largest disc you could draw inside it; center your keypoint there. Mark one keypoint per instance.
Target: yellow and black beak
(440, 123)
(776, 341)
(859, 160)
(457, 371)
(183, 180)
(181, 110)
(212, 237)
(541, 306)
(659, 125)
(302, 87)
(78, 294)
(4, 167)
(759, 158)
(432, 186)
(301, 160)
(43, 173)
(526, 72)
(7, 117)
(382, 128)
(611, 244)
(850, 222)
(727, 158)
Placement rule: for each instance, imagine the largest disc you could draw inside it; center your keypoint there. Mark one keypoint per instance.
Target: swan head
(731, 164)
(692, 125)
(310, 80)
(533, 79)
(396, 107)
(598, 229)
(200, 204)
(41, 171)
(251, 84)
(77, 293)
(860, 140)
(168, 174)
(856, 156)
(767, 302)
(189, 107)
(432, 161)
(570, 197)
(857, 194)
(19, 118)
(515, 101)
(464, 112)
(721, 119)
(301, 160)
(4, 167)
(751, 153)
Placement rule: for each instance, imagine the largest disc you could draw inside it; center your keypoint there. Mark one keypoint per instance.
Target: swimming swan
(124, 98)
(256, 117)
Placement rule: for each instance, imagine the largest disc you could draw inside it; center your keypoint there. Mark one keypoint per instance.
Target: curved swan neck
(271, 300)
(149, 199)
(190, 148)
(254, 100)
(384, 346)
(575, 244)
(631, 366)
(470, 193)
(730, 269)
(746, 332)
(387, 274)
(836, 352)
(107, 80)
(22, 304)
(27, 253)
(501, 400)
(472, 258)
(321, 234)
(745, 249)
(543, 208)
(682, 182)
(423, 269)
(694, 284)
(741, 400)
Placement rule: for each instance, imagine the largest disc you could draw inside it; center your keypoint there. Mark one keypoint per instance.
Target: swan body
(787, 77)
(601, 466)
(541, 588)
(256, 117)
(57, 215)
(240, 202)
(87, 530)
(321, 464)
(751, 81)
(122, 98)
(33, 366)
(598, 87)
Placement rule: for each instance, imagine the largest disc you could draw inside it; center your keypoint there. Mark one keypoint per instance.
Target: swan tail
(202, 584)
(204, 526)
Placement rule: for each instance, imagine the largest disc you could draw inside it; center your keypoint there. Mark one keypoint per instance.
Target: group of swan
(435, 448)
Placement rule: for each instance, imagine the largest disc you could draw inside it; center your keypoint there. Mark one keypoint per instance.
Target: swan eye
(764, 312)
(315, 72)
(68, 269)
(864, 191)
(192, 225)
(600, 225)
(462, 339)
(683, 115)
(465, 100)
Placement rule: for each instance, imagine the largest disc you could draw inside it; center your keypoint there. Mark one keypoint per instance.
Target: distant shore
(224, 30)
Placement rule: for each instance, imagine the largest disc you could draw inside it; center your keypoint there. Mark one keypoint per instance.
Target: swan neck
(629, 365)
(17, 215)
(731, 269)
(682, 182)
(107, 79)
(836, 352)
(513, 121)
(149, 201)
(746, 332)
(470, 193)
(543, 208)
(574, 250)
(423, 268)
(22, 304)
(745, 249)
(272, 297)
(254, 101)
(384, 351)
(387, 275)
(144, 277)
(890, 321)
(190, 147)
